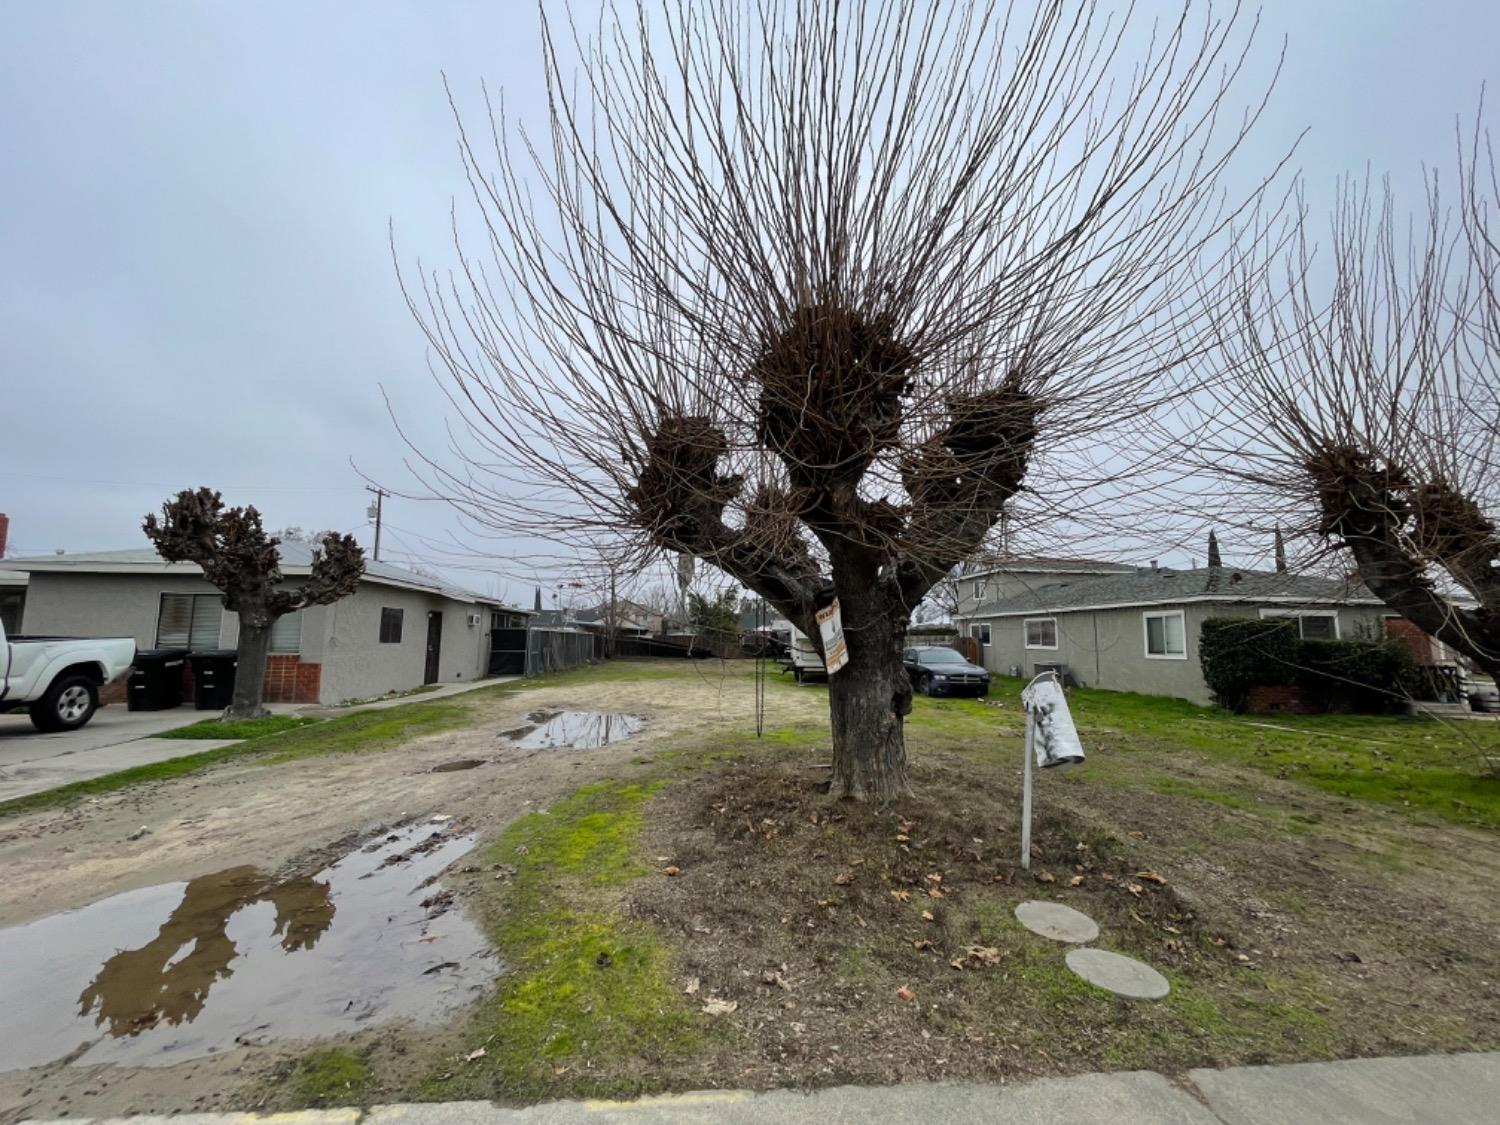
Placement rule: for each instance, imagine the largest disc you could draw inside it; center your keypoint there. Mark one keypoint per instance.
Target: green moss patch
(586, 1005)
(333, 1077)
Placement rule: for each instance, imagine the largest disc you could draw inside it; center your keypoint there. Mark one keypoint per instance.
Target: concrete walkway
(117, 738)
(1445, 1089)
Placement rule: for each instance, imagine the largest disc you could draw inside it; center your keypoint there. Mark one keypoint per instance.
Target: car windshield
(940, 656)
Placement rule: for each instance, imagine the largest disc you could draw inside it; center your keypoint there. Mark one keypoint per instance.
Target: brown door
(434, 646)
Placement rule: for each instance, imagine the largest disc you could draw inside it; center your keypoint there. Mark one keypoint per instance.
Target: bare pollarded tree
(242, 560)
(808, 290)
(1363, 398)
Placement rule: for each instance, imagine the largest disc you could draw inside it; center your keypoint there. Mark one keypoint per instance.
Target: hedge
(1239, 653)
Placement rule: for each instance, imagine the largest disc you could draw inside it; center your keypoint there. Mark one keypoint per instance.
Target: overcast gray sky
(195, 286)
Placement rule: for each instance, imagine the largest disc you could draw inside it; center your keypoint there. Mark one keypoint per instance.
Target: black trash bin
(213, 678)
(156, 679)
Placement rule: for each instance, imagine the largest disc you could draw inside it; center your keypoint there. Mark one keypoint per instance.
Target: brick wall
(1410, 635)
(290, 680)
(1266, 699)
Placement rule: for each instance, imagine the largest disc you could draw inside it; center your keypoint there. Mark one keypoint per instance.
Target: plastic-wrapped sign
(1055, 739)
(831, 628)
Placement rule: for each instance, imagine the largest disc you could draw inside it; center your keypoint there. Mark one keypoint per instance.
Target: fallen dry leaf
(1173, 945)
(1135, 889)
(921, 943)
(843, 878)
(984, 954)
(671, 872)
(927, 916)
(1152, 877)
(933, 892)
(903, 838)
(692, 986)
(906, 993)
(956, 963)
(1045, 877)
(935, 878)
(1076, 880)
(901, 896)
(477, 1053)
(716, 1007)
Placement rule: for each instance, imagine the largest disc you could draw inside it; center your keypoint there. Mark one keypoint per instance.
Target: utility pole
(374, 512)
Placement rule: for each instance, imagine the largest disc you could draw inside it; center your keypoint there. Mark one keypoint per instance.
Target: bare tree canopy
(240, 559)
(1361, 391)
(809, 290)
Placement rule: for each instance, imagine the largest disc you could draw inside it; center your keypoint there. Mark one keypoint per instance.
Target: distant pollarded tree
(809, 290)
(1360, 397)
(241, 559)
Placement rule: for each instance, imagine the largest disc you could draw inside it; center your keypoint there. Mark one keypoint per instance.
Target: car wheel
(924, 685)
(67, 705)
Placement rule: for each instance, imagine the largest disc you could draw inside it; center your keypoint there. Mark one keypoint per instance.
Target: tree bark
(250, 675)
(868, 701)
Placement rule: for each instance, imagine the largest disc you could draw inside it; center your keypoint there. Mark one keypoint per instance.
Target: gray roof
(296, 558)
(1032, 564)
(1146, 586)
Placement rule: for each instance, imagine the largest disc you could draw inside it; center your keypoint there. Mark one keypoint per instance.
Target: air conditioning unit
(473, 620)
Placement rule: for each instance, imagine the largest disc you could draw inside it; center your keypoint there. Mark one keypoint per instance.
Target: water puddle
(460, 764)
(183, 970)
(577, 730)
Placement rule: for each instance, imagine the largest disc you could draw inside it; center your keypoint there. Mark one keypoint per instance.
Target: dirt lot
(292, 819)
(626, 887)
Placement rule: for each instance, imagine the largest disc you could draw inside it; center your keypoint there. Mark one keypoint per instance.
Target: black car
(935, 670)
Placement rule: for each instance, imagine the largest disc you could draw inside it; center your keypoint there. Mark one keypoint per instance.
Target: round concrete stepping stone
(1058, 922)
(1114, 972)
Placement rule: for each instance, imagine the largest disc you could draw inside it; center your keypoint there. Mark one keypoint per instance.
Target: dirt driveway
(295, 818)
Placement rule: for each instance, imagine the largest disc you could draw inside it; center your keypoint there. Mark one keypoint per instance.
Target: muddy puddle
(575, 730)
(183, 970)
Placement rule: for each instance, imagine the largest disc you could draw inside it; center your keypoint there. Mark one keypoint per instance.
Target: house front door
(434, 646)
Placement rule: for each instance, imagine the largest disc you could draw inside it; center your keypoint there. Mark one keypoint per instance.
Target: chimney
(1280, 552)
(4, 532)
(1214, 561)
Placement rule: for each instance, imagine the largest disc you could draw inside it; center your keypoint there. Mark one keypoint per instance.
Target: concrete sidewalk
(1434, 1090)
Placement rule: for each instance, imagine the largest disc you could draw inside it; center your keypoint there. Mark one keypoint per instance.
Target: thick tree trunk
(868, 701)
(250, 675)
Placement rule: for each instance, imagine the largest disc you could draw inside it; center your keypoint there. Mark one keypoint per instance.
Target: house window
(979, 590)
(189, 621)
(1166, 635)
(286, 633)
(390, 625)
(1041, 632)
(1312, 624)
(980, 633)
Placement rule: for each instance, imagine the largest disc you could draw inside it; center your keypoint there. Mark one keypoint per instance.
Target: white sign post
(1051, 736)
(831, 629)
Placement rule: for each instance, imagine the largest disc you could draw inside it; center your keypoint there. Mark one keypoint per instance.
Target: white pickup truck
(57, 679)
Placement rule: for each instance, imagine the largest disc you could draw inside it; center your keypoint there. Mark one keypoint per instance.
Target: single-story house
(1138, 630)
(398, 630)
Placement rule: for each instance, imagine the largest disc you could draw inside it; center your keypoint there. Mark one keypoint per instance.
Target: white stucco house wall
(397, 631)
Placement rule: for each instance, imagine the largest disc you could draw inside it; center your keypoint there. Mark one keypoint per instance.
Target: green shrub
(1239, 653)
(1370, 676)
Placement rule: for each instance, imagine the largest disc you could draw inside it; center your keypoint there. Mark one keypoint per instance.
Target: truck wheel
(67, 705)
